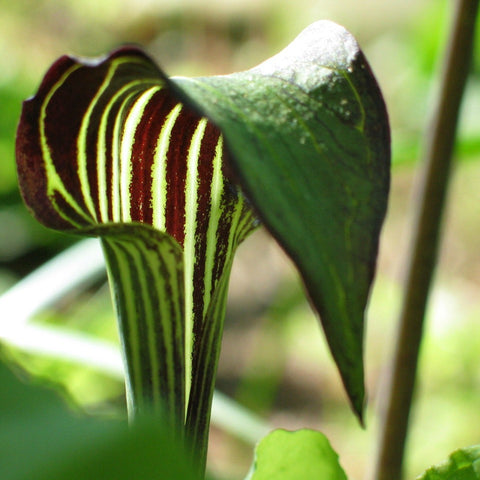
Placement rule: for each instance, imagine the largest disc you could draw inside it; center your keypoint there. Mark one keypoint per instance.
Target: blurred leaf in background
(40, 438)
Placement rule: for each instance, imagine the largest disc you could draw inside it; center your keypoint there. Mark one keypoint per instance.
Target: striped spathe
(106, 148)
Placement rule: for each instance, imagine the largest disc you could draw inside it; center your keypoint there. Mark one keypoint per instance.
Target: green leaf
(463, 464)
(303, 454)
(309, 138)
(41, 438)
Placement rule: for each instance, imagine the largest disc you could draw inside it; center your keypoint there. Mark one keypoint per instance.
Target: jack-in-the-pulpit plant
(173, 173)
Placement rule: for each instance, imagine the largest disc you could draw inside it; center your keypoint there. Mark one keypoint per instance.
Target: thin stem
(426, 232)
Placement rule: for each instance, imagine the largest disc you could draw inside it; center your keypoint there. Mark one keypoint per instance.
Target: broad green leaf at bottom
(303, 454)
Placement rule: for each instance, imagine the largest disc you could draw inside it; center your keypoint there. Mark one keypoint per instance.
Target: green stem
(426, 232)
(205, 361)
(146, 280)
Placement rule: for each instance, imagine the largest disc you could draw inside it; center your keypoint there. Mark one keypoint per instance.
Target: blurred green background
(274, 358)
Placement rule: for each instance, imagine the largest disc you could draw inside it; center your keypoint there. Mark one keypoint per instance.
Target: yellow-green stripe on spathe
(191, 190)
(54, 183)
(117, 135)
(159, 169)
(216, 192)
(126, 145)
(82, 144)
(103, 194)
